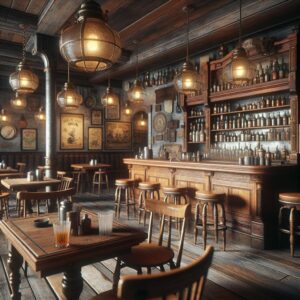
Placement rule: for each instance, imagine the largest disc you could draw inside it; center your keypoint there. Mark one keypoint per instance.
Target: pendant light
(23, 81)
(3, 116)
(90, 44)
(109, 98)
(18, 101)
(142, 120)
(242, 70)
(127, 109)
(137, 93)
(40, 114)
(68, 98)
(187, 80)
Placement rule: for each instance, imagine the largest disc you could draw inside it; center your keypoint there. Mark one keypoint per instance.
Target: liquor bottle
(202, 135)
(152, 80)
(284, 119)
(261, 74)
(268, 120)
(289, 118)
(281, 69)
(273, 120)
(267, 74)
(225, 123)
(277, 102)
(230, 123)
(164, 77)
(273, 101)
(268, 101)
(263, 102)
(191, 133)
(263, 121)
(275, 69)
(278, 119)
(194, 134)
(221, 125)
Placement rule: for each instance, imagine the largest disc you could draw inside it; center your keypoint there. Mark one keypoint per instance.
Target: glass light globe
(40, 115)
(3, 116)
(68, 98)
(127, 109)
(109, 99)
(137, 93)
(18, 102)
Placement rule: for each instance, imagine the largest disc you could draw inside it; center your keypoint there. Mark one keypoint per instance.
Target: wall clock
(89, 102)
(8, 132)
(160, 122)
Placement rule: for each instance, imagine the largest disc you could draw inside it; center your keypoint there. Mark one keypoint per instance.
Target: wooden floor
(239, 273)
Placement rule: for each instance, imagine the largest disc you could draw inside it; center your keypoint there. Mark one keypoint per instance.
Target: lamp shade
(23, 81)
(109, 98)
(137, 93)
(68, 98)
(3, 116)
(40, 115)
(127, 109)
(90, 44)
(18, 101)
(187, 81)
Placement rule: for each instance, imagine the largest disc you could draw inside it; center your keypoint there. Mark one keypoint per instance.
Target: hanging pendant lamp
(3, 116)
(23, 81)
(127, 109)
(137, 92)
(90, 44)
(68, 98)
(187, 80)
(18, 102)
(109, 98)
(40, 115)
(142, 121)
(242, 70)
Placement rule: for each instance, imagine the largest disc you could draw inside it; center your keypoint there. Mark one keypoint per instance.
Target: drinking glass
(62, 234)
(105, 219)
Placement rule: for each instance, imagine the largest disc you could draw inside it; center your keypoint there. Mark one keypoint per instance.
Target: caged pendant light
(187, 81)
(40, 115)
(136, 93)
(127, 109)
(109, 99)
(241, 71)
(18, 102)
(23, 81)
(3, 116)
(90, 44)
(68, 98)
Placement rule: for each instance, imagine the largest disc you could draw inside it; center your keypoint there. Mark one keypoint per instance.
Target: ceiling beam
(219, 27)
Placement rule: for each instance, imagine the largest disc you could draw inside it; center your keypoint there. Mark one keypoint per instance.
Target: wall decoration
(96, 117)
(159, 137)
(95, 137)
(113, 113)
(71, 131)
(29, 139)
(8, 132)
(117, 135)
(160, 122)
(168, 106)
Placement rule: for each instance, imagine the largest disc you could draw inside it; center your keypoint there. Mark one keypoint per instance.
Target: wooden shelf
(195, 100)
(195, 117)
(253, 110)
(250, 128)
(253, 141)
(258, 89)
(196, 142)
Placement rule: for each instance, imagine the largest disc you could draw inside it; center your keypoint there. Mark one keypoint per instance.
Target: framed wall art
(71, 131)
(95, 138)
(96, 117)
(118, 135)
(29, 139)
(113, 113)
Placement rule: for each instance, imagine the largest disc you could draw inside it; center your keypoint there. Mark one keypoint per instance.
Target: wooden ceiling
(158, 25)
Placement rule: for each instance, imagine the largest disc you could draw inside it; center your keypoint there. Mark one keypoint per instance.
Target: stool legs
(215, 212)
(128, 198)
(196, 222)
(204, 224)
(292, 233)
(223, 218)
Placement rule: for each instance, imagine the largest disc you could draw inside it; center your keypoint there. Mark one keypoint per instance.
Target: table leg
(72, 283)
(14, 262)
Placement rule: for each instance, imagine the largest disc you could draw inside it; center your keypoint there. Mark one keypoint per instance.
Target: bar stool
(100, 178)
(127, 187)
(60, 174)
(77, 178)
(4, 204)
(145, 189)
(216, 200)
(291, 202)
(174, 194)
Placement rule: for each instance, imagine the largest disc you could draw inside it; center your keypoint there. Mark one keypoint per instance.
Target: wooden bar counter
(252, 191)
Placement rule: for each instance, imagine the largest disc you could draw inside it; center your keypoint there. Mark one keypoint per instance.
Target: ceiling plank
(36, 6)
(20, 4)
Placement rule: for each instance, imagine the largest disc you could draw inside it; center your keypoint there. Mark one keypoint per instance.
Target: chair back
(186, 283)
(65, 183)
(21, 167)
(168, 212)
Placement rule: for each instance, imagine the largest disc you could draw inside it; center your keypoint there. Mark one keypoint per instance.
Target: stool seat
(3, 195)
(173, 190)
(124, 181)
(292, 198)
(149, 185)
(210, 196)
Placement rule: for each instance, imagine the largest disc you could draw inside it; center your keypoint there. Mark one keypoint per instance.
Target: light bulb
(137, 95)
(188, 83)
(143, 123)
(127, 111)
(92, 43)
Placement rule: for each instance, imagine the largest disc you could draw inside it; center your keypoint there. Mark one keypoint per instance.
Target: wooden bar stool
(100, 178)
(4, 204)
(125, 188)
(146, 188)
(77, 178)
(291, 202)
(216, 200)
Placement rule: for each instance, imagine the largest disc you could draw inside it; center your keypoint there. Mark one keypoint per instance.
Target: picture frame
(29, 139)
(95, 138)
(118, 135)
(96, 117)
(113, 113)
(71, 131)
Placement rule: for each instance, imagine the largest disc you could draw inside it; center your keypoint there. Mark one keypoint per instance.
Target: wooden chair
(21, 167)
(24, 197)
(4, 204)
(65, 183)
(150, 254)
(186, 283)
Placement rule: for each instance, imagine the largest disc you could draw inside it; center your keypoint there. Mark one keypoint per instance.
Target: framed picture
(118, 135)
(97, 117)
(95, 138)
(29, 139)
(71, 131)
(113, 113)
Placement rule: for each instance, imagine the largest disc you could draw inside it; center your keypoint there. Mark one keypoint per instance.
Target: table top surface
(8, 170)
(36, 245)
(17, 183)
(90, 167)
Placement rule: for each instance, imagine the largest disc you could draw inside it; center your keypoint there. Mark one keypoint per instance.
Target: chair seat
(210, 196)
(108, 295)
(292, 198)
(149, 185)
(148, 255)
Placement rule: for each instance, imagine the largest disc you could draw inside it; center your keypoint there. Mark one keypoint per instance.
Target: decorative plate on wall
(8, 132)
(160, 122)
(89, 102)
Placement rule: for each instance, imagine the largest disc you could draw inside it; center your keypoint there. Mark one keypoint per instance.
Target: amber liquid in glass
(61, 239)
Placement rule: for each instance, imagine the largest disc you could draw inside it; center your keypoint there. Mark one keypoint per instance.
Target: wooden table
(22, 184)
(36, 247)
(8, 170)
